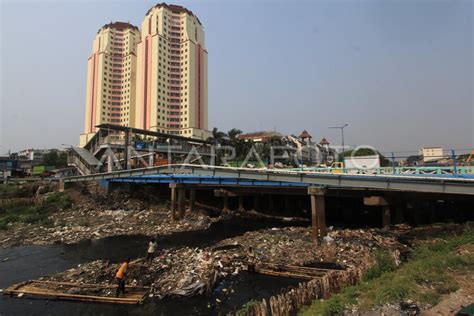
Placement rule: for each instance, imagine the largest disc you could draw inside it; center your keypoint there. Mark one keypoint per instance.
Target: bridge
(377, 189)
(282, 177)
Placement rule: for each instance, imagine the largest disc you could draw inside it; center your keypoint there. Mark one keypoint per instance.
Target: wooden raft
(290, 271)
(78, 292)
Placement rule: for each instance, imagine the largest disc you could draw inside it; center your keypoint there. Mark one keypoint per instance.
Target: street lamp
(342, 132)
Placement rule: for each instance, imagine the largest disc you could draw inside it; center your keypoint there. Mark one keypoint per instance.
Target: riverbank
(85, 216)
(437, 279)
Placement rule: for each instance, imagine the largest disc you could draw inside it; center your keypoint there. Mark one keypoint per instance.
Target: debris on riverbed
(190, 271)
(94, 217)
(293, 245)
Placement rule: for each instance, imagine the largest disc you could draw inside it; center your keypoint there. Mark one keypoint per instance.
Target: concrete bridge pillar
(61, 185)
(270, 202)
(173, 200)
(386, 216)
(181, 200)
(225, 207)
(318, 213)
(256, 203)
(225, 198)
(287, 204)
(110, 163)
(192, 199)
(241, 203)
(399, 214)
(380, 201)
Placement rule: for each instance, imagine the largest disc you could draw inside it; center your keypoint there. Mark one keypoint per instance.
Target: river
(29, 262)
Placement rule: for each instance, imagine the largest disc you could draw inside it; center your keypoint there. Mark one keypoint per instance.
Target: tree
(56, 159)
(217, 136)
(50, 158)
(233, 135)
(413, 160)
(276, 142)
(62, 160)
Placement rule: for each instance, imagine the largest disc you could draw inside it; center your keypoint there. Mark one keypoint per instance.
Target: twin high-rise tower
(155, 79)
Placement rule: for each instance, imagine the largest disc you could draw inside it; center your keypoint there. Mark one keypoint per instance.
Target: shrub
(3, 224)
(29, 213)
(384, 263)
(334, 306)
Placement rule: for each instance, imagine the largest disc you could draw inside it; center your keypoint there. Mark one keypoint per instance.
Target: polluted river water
(23, 263)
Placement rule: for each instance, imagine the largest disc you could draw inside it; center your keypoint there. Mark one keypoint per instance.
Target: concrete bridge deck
(282, 177)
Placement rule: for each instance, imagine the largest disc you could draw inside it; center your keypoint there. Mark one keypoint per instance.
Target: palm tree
(233, 135)
(216, 137)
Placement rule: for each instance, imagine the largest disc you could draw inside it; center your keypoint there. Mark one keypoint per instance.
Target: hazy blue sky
(399, 72)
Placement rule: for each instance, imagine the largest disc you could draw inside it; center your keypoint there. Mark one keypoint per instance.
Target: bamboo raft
(98, 293)
(297, 272)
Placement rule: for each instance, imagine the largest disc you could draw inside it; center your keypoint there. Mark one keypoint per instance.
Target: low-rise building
(32, 154)
(259, 137)
(431, 154)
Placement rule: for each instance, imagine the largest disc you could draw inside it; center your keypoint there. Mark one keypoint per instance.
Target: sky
(400, 73)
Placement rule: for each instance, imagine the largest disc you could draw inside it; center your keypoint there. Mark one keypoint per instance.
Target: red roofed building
(305, 135)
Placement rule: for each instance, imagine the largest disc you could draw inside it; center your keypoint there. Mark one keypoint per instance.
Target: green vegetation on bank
(22, 209)
(246, 308)
(423, 278)
(13, 190)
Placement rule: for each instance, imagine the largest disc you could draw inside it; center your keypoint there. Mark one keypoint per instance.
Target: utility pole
(342, 132)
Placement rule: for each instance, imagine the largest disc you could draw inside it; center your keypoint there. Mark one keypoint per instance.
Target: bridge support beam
(173, 203)
(256, 203)
(192, 199)
(380, 201)
(385, 216)
(225, 194)
(110, 163)
(61, 185)
(270, 203)
(241, 203)
(181, 200)
(399, 214)
(225, 207)
(287, 204)
(318, 213)
(178, 197)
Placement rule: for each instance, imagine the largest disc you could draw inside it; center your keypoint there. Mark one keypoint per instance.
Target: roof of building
(119, 26)
(305, 134)
(324, 141)
(432, 147)
(261, 134)
(174, 8)
(113, 127)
